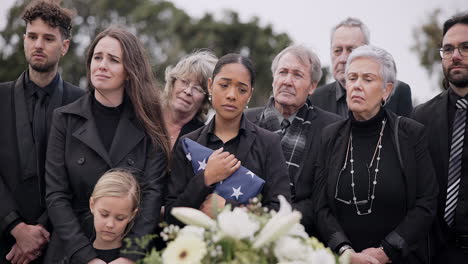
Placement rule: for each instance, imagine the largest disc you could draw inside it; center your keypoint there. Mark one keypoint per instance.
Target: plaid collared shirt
(294, 140)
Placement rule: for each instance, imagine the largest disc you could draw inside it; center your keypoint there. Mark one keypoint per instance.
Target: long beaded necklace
(376, 156)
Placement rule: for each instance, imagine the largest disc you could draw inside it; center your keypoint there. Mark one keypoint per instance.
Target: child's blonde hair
(118, 183)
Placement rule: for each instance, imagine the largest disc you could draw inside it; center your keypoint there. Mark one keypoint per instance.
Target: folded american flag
(242, 184)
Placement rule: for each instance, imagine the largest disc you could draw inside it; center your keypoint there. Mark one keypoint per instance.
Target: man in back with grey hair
(296, 71)
(345, 37)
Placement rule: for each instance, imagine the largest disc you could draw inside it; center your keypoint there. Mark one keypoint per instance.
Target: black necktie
(284, 126)
(455, 161)
(39, 135)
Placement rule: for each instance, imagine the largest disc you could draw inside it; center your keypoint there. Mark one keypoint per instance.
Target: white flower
(289, 249)
(187, 249)
(322, 256)
(192, 230)
(190, 216)
(299, 231)
(217, 236)
(293, 262)
(237, 223)
(278, 225)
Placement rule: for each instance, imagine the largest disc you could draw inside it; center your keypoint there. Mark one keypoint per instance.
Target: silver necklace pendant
(371, 190)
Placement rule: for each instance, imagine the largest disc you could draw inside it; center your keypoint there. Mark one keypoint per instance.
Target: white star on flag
(251, 174)
(202, 164)
(189, 157)
(236, 192)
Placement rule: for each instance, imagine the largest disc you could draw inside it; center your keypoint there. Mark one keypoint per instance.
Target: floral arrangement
(250, 234)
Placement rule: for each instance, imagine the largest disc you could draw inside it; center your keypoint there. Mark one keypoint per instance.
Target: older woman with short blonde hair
(186, 94)
(377, 189)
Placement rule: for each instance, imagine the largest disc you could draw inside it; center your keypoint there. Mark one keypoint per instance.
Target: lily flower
(278, 225)
(190, 216)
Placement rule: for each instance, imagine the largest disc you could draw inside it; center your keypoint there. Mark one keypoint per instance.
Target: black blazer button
(130, 161)
(81, 161)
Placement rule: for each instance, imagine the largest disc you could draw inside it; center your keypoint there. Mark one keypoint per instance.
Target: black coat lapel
(246, 140)
(442, 130)
(126, 132)
(55, 101)
(332, 98)
(26, 148)
(312, 133)
(254, 114)
(408, 170)
(88, 133)
(406, 155)
(338, 154)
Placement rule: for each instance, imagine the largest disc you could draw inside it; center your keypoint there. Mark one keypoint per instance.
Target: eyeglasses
(194, 88)
(446, 52)
(342, 171)
(347, 201)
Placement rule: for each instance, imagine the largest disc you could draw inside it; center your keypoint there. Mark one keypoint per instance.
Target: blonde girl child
(114, 203)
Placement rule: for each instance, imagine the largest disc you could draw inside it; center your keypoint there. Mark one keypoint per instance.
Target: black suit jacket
(434, 115)
(305, 178)
(21, 188)
(411, 236)
(76, 158)
(324, 97)
(400, 102)
(259, 150)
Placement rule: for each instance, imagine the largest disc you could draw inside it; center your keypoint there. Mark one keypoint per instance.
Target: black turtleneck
(107, 119)
(108, 255)
(388, 209)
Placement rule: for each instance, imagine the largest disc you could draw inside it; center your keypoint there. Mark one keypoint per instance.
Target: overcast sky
(309, 22)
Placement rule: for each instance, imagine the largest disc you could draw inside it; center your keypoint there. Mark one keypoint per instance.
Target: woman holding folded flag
(244, 155)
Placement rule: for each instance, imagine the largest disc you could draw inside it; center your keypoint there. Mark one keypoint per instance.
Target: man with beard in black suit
(445, 118)
(26, 106)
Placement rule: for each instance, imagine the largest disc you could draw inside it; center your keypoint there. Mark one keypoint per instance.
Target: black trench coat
(76, 158)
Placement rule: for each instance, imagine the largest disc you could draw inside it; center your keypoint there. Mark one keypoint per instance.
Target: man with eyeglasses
(345, 37)
(445, 118)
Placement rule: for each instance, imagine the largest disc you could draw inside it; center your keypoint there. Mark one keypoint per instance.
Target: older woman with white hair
(376, 192)
(186, 93)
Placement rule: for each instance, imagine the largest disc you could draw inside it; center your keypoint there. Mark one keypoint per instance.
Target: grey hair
(352, 22)
(388, 70)
(201, 64)
(306, 56)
